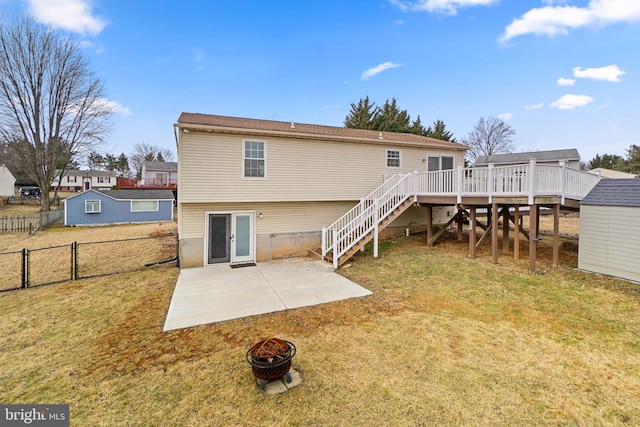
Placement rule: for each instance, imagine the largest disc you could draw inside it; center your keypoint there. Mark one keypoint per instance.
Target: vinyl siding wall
(609, 238)
(112, 211)
(211, 169)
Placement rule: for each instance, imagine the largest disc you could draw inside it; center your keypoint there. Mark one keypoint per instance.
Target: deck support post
(505, 229)
(460, 220)
(494, 233)
(556, 235)
(533, 237)
(516, 236)
(472, 232)
(429, 222)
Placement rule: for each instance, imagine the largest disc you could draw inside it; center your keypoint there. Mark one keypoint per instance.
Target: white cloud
(114, 107)
(534, 106)
(566, 82)
(72, 15)
(569, 102)
(199, 55)
(378, 69)
(558, 20)
(505, 116)
(610, 73)
(448, 7)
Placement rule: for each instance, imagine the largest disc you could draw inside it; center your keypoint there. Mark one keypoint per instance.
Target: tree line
(630, 163)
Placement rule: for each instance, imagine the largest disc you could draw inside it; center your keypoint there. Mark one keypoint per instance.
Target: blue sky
(562, 74)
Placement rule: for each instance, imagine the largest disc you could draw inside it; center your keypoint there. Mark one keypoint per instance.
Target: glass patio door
(230, 237)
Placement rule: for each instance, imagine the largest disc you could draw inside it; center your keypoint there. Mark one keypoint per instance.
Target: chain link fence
(55, 264)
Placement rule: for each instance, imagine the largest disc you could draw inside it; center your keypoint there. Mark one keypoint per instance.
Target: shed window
(144, 205)
(393, 158)
(254, 159)
(92, 206)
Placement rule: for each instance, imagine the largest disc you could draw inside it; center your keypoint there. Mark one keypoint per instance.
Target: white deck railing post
(324, 241)
(533, 181)
(336, 252)
(460, 184)
(490, 182)
(563, 180)
(375, 227)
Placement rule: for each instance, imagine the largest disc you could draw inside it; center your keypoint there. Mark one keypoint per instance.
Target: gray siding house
(610, 229)
(110, 207)
(570, 157)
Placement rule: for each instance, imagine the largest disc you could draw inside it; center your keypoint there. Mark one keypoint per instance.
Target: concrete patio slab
(218, 293)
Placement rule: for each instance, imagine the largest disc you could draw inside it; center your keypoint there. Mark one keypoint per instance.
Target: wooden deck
(506, 192)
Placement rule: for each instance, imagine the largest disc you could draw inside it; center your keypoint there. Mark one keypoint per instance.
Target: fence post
(24, 269)
(74, 256)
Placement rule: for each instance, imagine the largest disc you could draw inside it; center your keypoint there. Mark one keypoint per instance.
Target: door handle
(232, 236)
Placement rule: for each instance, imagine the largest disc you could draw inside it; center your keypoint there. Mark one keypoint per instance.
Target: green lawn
(444, 340)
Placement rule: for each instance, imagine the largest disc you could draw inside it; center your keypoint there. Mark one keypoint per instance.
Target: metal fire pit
(270, 359)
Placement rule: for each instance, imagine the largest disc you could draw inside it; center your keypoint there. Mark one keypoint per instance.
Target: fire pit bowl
(270, 359)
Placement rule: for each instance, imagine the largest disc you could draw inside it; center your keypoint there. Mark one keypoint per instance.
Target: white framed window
(254, 159)
(144, 205)
(393, 158)
(438, 163)
(103, 180)
(71, 179)
(92, 206)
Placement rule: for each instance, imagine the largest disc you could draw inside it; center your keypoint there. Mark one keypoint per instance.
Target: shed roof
(132, 194)
(614, 192)
(541, 156)
(207, 122)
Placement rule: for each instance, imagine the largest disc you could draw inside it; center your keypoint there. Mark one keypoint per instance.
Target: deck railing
(524, 180)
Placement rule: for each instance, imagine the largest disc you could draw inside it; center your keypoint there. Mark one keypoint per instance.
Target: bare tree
(49, 100)
(490, 136)
(144, 152)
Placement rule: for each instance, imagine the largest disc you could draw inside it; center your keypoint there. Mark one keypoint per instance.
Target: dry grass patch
(443, 340)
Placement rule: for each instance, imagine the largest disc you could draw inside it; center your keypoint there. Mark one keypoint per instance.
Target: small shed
(7, 182)
(610, 229)
(109, 207)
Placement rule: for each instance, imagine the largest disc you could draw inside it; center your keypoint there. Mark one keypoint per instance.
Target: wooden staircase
(363, 222)
(370, 235)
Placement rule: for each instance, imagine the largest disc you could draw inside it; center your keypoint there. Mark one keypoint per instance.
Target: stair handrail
(350, 228)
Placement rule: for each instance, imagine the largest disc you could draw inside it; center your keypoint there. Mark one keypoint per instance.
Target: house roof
(132, 194)
(213, 123)
(161, 166)
(540, 156)
(614, 192)
(91, 173)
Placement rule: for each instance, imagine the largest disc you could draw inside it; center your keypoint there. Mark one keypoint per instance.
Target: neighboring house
(78, 180)
(109, 207)
(153, 175)
(159, 174)
(7, 182)
(610, 173)
(253, 190)
(570, 157)
(610, 229)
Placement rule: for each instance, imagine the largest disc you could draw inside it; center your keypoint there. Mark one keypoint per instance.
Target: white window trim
(386, 158)
(145, 210)
(92, 202)
(244, 141)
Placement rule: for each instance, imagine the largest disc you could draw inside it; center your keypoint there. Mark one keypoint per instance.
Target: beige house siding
(285, 229)
(296, 169)
(608, 240)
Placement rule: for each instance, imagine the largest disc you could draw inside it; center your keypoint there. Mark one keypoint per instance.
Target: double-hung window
(254, 159)
(393, 158)
(92, 206)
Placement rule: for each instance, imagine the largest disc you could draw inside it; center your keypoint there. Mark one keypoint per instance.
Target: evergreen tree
(439, 132)
(390, 118)
(607, 161)
(361, 115)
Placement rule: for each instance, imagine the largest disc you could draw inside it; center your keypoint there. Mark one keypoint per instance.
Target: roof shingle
(614, 192)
